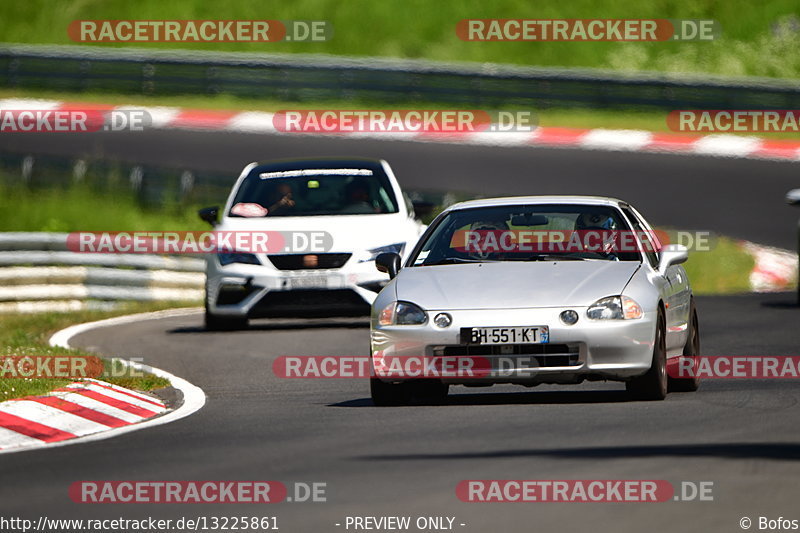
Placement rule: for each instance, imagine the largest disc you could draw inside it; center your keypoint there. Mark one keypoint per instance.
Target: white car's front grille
(308, 261)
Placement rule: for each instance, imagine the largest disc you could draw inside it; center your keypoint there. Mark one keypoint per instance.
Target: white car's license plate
(308, 282)
(510, 335)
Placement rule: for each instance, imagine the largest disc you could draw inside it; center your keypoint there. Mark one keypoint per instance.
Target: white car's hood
(509, 285)
(349, 232)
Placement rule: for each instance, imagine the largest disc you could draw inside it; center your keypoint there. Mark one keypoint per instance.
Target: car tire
(692, 349)
(224, 323)
(429, 392)
(652, 385)
(389, 394)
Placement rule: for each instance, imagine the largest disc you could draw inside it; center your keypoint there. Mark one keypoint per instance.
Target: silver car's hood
(508, 285)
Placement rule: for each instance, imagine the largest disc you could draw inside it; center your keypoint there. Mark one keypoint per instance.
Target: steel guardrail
(39, 273)
(307, 77)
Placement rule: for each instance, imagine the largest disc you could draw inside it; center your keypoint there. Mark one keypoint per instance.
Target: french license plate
(510, 335)
(308, 282)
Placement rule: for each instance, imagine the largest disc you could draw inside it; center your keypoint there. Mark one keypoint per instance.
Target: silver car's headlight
(402, 314)
(237, 257)
(615, 308)
(370, 255)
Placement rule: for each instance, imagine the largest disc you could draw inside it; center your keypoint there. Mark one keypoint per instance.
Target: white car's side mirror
(673, 254)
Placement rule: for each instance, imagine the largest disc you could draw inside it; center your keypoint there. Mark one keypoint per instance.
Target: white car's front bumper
(256, 291)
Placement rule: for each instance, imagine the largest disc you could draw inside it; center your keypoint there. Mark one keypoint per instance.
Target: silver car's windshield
(310, 192)
(528, 233)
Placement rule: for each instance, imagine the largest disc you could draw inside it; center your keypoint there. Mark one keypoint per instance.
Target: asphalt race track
(738, 197)
(741, 435)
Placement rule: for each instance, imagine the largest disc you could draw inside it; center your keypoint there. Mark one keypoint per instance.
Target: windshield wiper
(557, 257)
(458, 260)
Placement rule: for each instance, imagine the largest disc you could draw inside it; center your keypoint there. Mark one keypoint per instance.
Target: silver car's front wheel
(653, 384)
(388, 394)
(422, 392)
(691, 350)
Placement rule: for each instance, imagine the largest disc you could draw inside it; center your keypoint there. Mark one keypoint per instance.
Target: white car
(533, 290)
(356, 203)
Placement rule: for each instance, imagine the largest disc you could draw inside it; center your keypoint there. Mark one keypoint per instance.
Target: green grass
(758, 39)
(79, 208)
(723, 270)
(27, 334)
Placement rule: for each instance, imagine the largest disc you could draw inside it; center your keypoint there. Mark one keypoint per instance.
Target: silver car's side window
(644, 235)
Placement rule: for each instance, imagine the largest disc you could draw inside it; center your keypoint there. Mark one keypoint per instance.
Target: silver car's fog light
(443, 320)
(569, 317)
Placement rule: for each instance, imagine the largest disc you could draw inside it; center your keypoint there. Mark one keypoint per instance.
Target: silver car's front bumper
(590, 349)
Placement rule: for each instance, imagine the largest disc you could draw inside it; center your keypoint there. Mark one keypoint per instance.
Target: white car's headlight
(615, 308)
(370, 255)
(402, 314)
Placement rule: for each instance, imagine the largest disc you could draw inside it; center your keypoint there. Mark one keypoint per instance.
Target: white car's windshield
(529, 233)
(310, 192)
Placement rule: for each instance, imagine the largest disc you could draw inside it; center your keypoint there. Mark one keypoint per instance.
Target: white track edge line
(193, 396)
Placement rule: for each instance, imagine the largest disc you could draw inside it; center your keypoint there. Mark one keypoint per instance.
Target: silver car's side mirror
(673, 254)
(388, 262)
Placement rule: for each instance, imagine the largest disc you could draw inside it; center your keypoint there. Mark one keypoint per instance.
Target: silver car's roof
(518, 200)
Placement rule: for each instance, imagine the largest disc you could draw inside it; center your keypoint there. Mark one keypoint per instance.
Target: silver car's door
(677, 295)
(680, 301)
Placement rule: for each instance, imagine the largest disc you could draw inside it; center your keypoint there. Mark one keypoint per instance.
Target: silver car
(531, 290)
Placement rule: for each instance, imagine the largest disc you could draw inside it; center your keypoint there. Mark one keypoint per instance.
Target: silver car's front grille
(546, 355)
